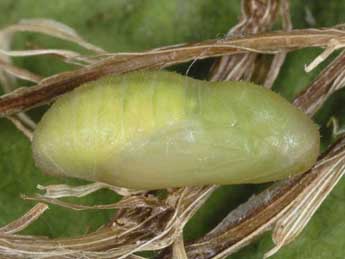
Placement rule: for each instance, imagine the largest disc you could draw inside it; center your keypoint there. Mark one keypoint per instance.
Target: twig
(260, 213)
(311, 99)
(257, 16)
(24, 221)
(47, 90)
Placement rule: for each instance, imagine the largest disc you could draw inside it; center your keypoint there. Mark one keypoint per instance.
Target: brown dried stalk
(47, 90)
(260, 213)
(63, 190)
(255, 217)
(279, 58)
(257, 16)
(300, 211)
(159, 223)
(152, 227)
(25, 220)
(19, 72)
(178, 249)
(54, 29)
(9, 72)
(329, 80)
(7, 81)
(21, 126)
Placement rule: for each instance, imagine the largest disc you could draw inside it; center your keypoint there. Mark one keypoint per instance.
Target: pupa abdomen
(152, 130)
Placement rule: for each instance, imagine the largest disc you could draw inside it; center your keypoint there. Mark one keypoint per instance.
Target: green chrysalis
(152, 130)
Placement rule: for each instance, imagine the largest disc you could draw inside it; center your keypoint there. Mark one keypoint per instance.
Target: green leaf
(132, 25)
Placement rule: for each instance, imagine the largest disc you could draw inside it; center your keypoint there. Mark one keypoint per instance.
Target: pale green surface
(122, 26)
(153, 130)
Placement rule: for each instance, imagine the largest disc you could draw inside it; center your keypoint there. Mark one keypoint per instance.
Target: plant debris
(144, 221)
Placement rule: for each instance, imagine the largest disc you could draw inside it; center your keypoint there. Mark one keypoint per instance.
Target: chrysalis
(152, 130)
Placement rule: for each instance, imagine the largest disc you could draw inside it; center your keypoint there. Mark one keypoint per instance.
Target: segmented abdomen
(151, 130)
